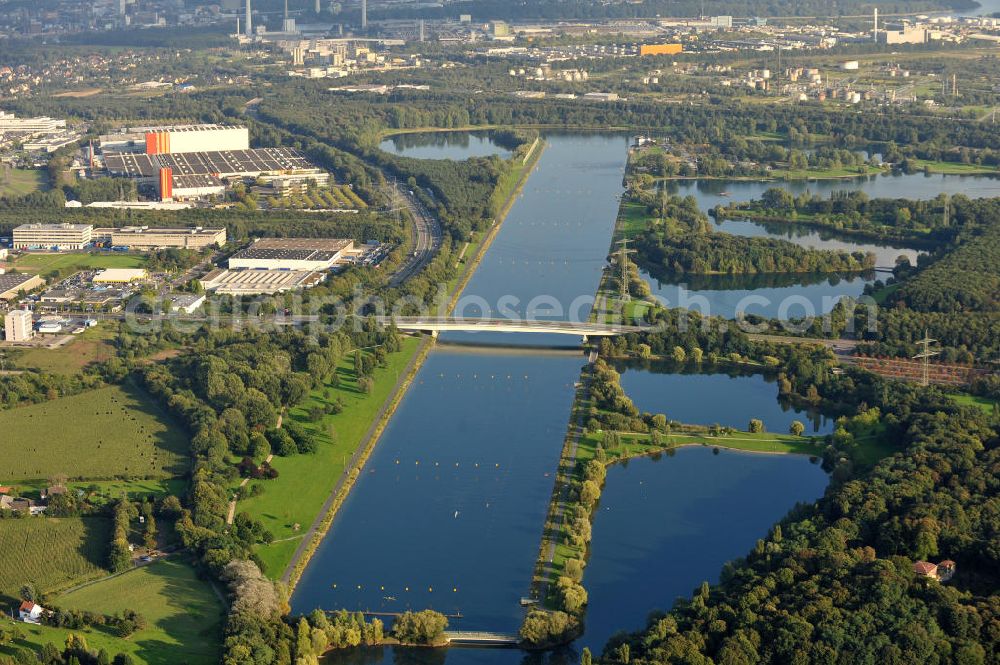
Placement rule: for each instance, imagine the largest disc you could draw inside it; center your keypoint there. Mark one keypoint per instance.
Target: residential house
(31, 612)
(942, 572)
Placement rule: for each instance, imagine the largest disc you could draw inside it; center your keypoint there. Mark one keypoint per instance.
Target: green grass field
(52, 553)
(92, 345)
(983, 403)
(18, 182)
(108, 433)
(305, 481)
(65, 264)
(184, 615)
(954, 168)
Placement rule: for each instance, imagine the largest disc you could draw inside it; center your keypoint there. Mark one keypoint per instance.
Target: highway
(426, 234)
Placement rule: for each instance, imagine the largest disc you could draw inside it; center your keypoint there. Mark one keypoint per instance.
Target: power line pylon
(623, 265)
(926, 356)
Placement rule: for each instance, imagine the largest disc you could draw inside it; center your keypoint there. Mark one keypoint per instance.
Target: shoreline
(342, 489)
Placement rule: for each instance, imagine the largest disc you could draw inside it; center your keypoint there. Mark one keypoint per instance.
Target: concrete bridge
(481, 638)
(435, 325)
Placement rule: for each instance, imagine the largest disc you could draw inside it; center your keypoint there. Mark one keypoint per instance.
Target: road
(426, 233)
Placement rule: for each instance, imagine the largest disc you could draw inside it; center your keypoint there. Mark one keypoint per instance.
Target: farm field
(107, 433)
(304, 481)
(92, 345)
(51, 552)
(184, 616)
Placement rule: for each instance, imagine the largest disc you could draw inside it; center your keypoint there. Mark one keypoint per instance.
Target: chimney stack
(248, 26)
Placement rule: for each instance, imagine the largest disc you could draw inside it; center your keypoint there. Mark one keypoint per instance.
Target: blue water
(444, 145)
(709, 399)
(426, 527)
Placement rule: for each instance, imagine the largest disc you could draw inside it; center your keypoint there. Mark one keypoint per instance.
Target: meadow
(63, 264)
(111, 432)
(18, 182)
(92, 345)
(51, 553)
(184, 617)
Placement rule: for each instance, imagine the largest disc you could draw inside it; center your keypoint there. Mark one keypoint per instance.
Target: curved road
(426, 235)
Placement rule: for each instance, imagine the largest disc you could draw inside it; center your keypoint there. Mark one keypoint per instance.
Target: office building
(17, 326)
(144, 238)
(53, 236)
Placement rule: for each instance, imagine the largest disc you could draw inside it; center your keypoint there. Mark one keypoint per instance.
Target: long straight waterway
(448, 512)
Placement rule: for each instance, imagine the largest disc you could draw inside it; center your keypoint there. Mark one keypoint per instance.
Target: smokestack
(316, 7)
(364, 15)
(248, 26)
(286, 10)
(421, 30)
(875, 26)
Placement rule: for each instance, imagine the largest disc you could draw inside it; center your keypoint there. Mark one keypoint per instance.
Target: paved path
(567, 465)
(232, 504)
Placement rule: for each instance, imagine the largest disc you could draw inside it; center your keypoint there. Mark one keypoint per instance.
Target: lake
(444, 145)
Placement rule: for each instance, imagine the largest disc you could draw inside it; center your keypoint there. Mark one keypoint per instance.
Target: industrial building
(17, 326)
(660, 49)
(186, 302)
(222, 165)
(906, 34)
(13, 285)
(120, 276)
(292, 254)
(177, 139)
(53, 236)
(259, 282)
(145, 238)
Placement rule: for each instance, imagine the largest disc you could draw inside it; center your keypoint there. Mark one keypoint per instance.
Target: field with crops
(112, 432)
(51, 553)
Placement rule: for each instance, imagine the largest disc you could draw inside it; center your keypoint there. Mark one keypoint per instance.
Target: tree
(796, 428)
(756, 425)
(424, 627)
(28, 592)
(679, 354)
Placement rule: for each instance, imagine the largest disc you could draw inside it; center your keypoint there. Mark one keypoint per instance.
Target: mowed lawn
(184, 616)
(110, 432)
(52, 553)
(305, 481)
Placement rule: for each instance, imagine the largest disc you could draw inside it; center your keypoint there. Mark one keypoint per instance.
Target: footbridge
(435, 325)
(481, 638)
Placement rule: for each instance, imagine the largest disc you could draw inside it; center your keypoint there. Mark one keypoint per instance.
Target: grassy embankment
(184, 617)
(309, 479)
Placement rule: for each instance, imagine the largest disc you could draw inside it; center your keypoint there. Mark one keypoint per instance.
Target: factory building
(660, 49)
(145, 238)
(147, 169)
(17, 326)
(301, 254)
(120, 276)
(259, 282)
(177, 139)
(907, 34)
(182, 187)
(12, 285)
(53, 236)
